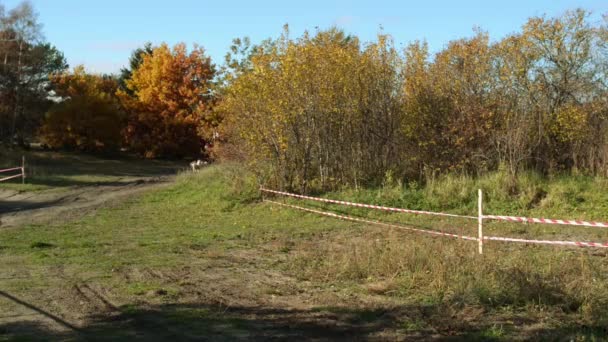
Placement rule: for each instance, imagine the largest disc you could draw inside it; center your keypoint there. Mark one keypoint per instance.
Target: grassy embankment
(414, 284)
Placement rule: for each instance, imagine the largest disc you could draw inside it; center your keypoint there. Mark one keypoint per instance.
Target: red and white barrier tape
(424, 212)
(11, 177)
(440, 233)
(546, 221)
(349, 218)
(550, 242)
(12, 169)
(361, 205)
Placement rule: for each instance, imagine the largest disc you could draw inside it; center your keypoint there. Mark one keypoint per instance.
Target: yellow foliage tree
(324, 110)
(318, 110)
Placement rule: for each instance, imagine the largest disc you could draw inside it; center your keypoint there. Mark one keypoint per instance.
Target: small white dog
(197, 164)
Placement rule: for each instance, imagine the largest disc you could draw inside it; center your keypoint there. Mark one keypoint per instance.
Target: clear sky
(102, 33)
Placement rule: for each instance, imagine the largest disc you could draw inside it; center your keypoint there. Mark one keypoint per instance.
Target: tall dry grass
(447, 272)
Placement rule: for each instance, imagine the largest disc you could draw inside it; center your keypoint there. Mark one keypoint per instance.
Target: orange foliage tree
(87, 117)
(169, 105)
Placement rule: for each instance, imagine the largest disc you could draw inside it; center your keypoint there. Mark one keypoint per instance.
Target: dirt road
(19, 208)
(67, 186)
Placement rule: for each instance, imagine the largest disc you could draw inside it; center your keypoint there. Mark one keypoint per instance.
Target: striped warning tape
(362, 205)
(12, 169)
(546, 221)
(356, 219)
(424, 212)
(550, 242)
(440, 233)
(11, 177)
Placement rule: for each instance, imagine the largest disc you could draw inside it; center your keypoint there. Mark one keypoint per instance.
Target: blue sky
(102, 34)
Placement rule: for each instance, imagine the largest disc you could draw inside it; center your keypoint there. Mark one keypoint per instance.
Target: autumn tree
(570, 90)
(449, 105)
(380, 113)
(87, 116)
(318, 111)
(168, 103)
(515, 136)
(135, 60)
(533, 99)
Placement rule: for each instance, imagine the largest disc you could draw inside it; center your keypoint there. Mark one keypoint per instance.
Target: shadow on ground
(58, 181)
(16, 206)
(220, 323)
(204, 322)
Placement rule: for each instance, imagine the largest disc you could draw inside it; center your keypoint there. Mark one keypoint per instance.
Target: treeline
(325, 110)
(160, 106)
(160, 109)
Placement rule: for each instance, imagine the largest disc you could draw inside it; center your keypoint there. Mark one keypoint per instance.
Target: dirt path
(64, 186)
(56, 205)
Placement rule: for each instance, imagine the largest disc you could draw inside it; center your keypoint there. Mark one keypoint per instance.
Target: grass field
(205, 258)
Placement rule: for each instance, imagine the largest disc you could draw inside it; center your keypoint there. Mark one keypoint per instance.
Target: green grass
(565, 195)
(160, 229)
(561, 197)
(437, 285)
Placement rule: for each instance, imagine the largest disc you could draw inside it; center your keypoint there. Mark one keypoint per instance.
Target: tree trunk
(17, 91)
